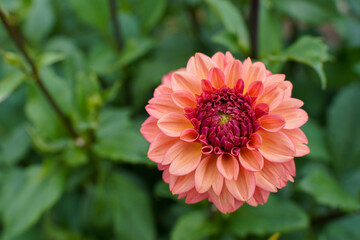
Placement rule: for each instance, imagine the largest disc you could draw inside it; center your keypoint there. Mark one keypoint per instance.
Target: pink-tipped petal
(233, 72)
(229, 57)
(219, 59)
(228, 166)
(263, 182)
(272, 97)
(160, 105)
(225, 202)
(184, 157)
(216, 77)
(193, 196)
(149, 129)
(287, 87)
(162, 89)
(298, 138)
(172, 124)
(294, 118)
(276, 147)
(183, 183)
(243, 188)
(189, 135)
(159, 147)
(272, 122)
(190, 66)
(256, 72)
(185, 81)
(261, 196)
(203, 65)
(255, 89)
(251, 160)
(290, 168)
(274, 78)
(207, 175)
(183, 99)
(254, 142)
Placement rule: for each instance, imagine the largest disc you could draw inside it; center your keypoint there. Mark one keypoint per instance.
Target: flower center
(224, 119)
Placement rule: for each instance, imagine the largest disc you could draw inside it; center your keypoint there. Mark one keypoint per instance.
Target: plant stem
(254, 26)
(35, 74)
(115, 24)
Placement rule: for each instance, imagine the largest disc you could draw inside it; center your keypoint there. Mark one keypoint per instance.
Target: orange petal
(190, 66)
(150, 129)
(254, 142)
(251, 160)
(219, 59)
(160, 105)
(256, 72)
(203, 65)
(243, 188)
(229, 57)
(207, 175)
(172, 124)
(225, 202)
(298, 138)
(294, 117)
(233, 72)
(184, 157)
(216, 77)
(272, 122)
(183, 99)
(276, 147)
(263, 182)
(185, 81)
(272, 97)
(261, 196)
(183, 183)
(228, 166)
(289, 103)
(160, 146)
(290, 168)
(193, 196)
(255, 89)
(162, 89)
(189, 135)
(287, 87)
(274, 78)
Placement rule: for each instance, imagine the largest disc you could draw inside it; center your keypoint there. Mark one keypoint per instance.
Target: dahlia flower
(225, 131)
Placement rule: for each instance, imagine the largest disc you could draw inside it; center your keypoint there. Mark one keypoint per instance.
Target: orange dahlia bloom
(225, 130)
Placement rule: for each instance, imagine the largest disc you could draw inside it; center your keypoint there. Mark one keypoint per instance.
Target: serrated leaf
(9, 84)
(232, 20)
(277, 215)
(310, 51)
(344, 130)
(194, 226)
(326, 190)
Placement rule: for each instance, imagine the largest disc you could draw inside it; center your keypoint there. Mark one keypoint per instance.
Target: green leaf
(232, 19)
(49, 58)
(43, 145)
(150, 12)
(316, 136)
(310, 51)
(42, 187)
(344, 130)
(277, 215)
(9, 84)
(345, 228)
(348, 27)
(194, 226)
(117, 139)
(309, 11)
(40, 20)
(326, 190)
(227, 40)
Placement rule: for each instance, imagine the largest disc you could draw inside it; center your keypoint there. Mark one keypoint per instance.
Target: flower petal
(183, 99)
(255, 89)
(162, 89)
(276, 147)
(261, 196)
(233, 72)
(207, 175)
(193, 196)
(184, 157)
(183, 183)
(263, 182)
(294, 118)
(254, 142)
(203, 65)
(251, 160)
(272, 122)
(228, 166)
(225, 202)
(160, 146)
(172, 124)
(189, 135)
(186, 81)
(272, 97)
(160, 105)
(243, 188)
(219, 59)
(298, 138)
(149, 129)
(216, 77)
(256, 72)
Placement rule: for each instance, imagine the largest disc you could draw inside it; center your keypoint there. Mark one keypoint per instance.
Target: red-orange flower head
(225, 130)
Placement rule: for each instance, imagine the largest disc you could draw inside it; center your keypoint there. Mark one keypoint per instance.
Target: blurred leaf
(316, 136)
(43, 145)
(344, 129)
(310, 51)
(349, 182)
(227, 40)
(9, 84)
(117, 139)
(150, 12)
(277, 215)
(193, 226)
(40, 20)
(49, 58)
(309, 11)
(162, 190)
(326, 190)
(349, 29)
(232, 20)
(41, 189)
(75, 156)
(345, 228)
(14, 146)
(101, 58)
(355, 6)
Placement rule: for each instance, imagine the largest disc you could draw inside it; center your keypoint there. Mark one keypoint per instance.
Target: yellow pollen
(224, 118)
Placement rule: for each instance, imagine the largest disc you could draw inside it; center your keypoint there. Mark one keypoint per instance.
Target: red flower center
(224, 119)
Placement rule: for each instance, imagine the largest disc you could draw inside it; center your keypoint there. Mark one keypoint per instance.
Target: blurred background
(73, 163)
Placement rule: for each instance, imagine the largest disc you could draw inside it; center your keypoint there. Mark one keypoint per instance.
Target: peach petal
(183, 99)
(272, 97)
(207, 175)
(189, 135)
(159, 147)
(219, 59)
(263, 182)
(233, 72)
(287, 87)
(183, 183)
(274, 78)
(294, 118)
(239, 85)
(162, 89)
(206, 85)
(296, 134)
(184, 157)
(300, 148)
(254, 142)
(203, 65)
(243, 188)
(252, 202)
(251, 160)
(229, 57)
(261, 196)
(225, 202)
(190, 66)
(166, 175)
(193, 196)
(185, 81)
(272, 122)
(276, 169)
(172, 124)
(276, 147)
(216, 77)
(255, 89)
(149, 129)
(290, 168)
(160, 105)
(256, 72)
(247, 63)
(289, 103)
(228, 166)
